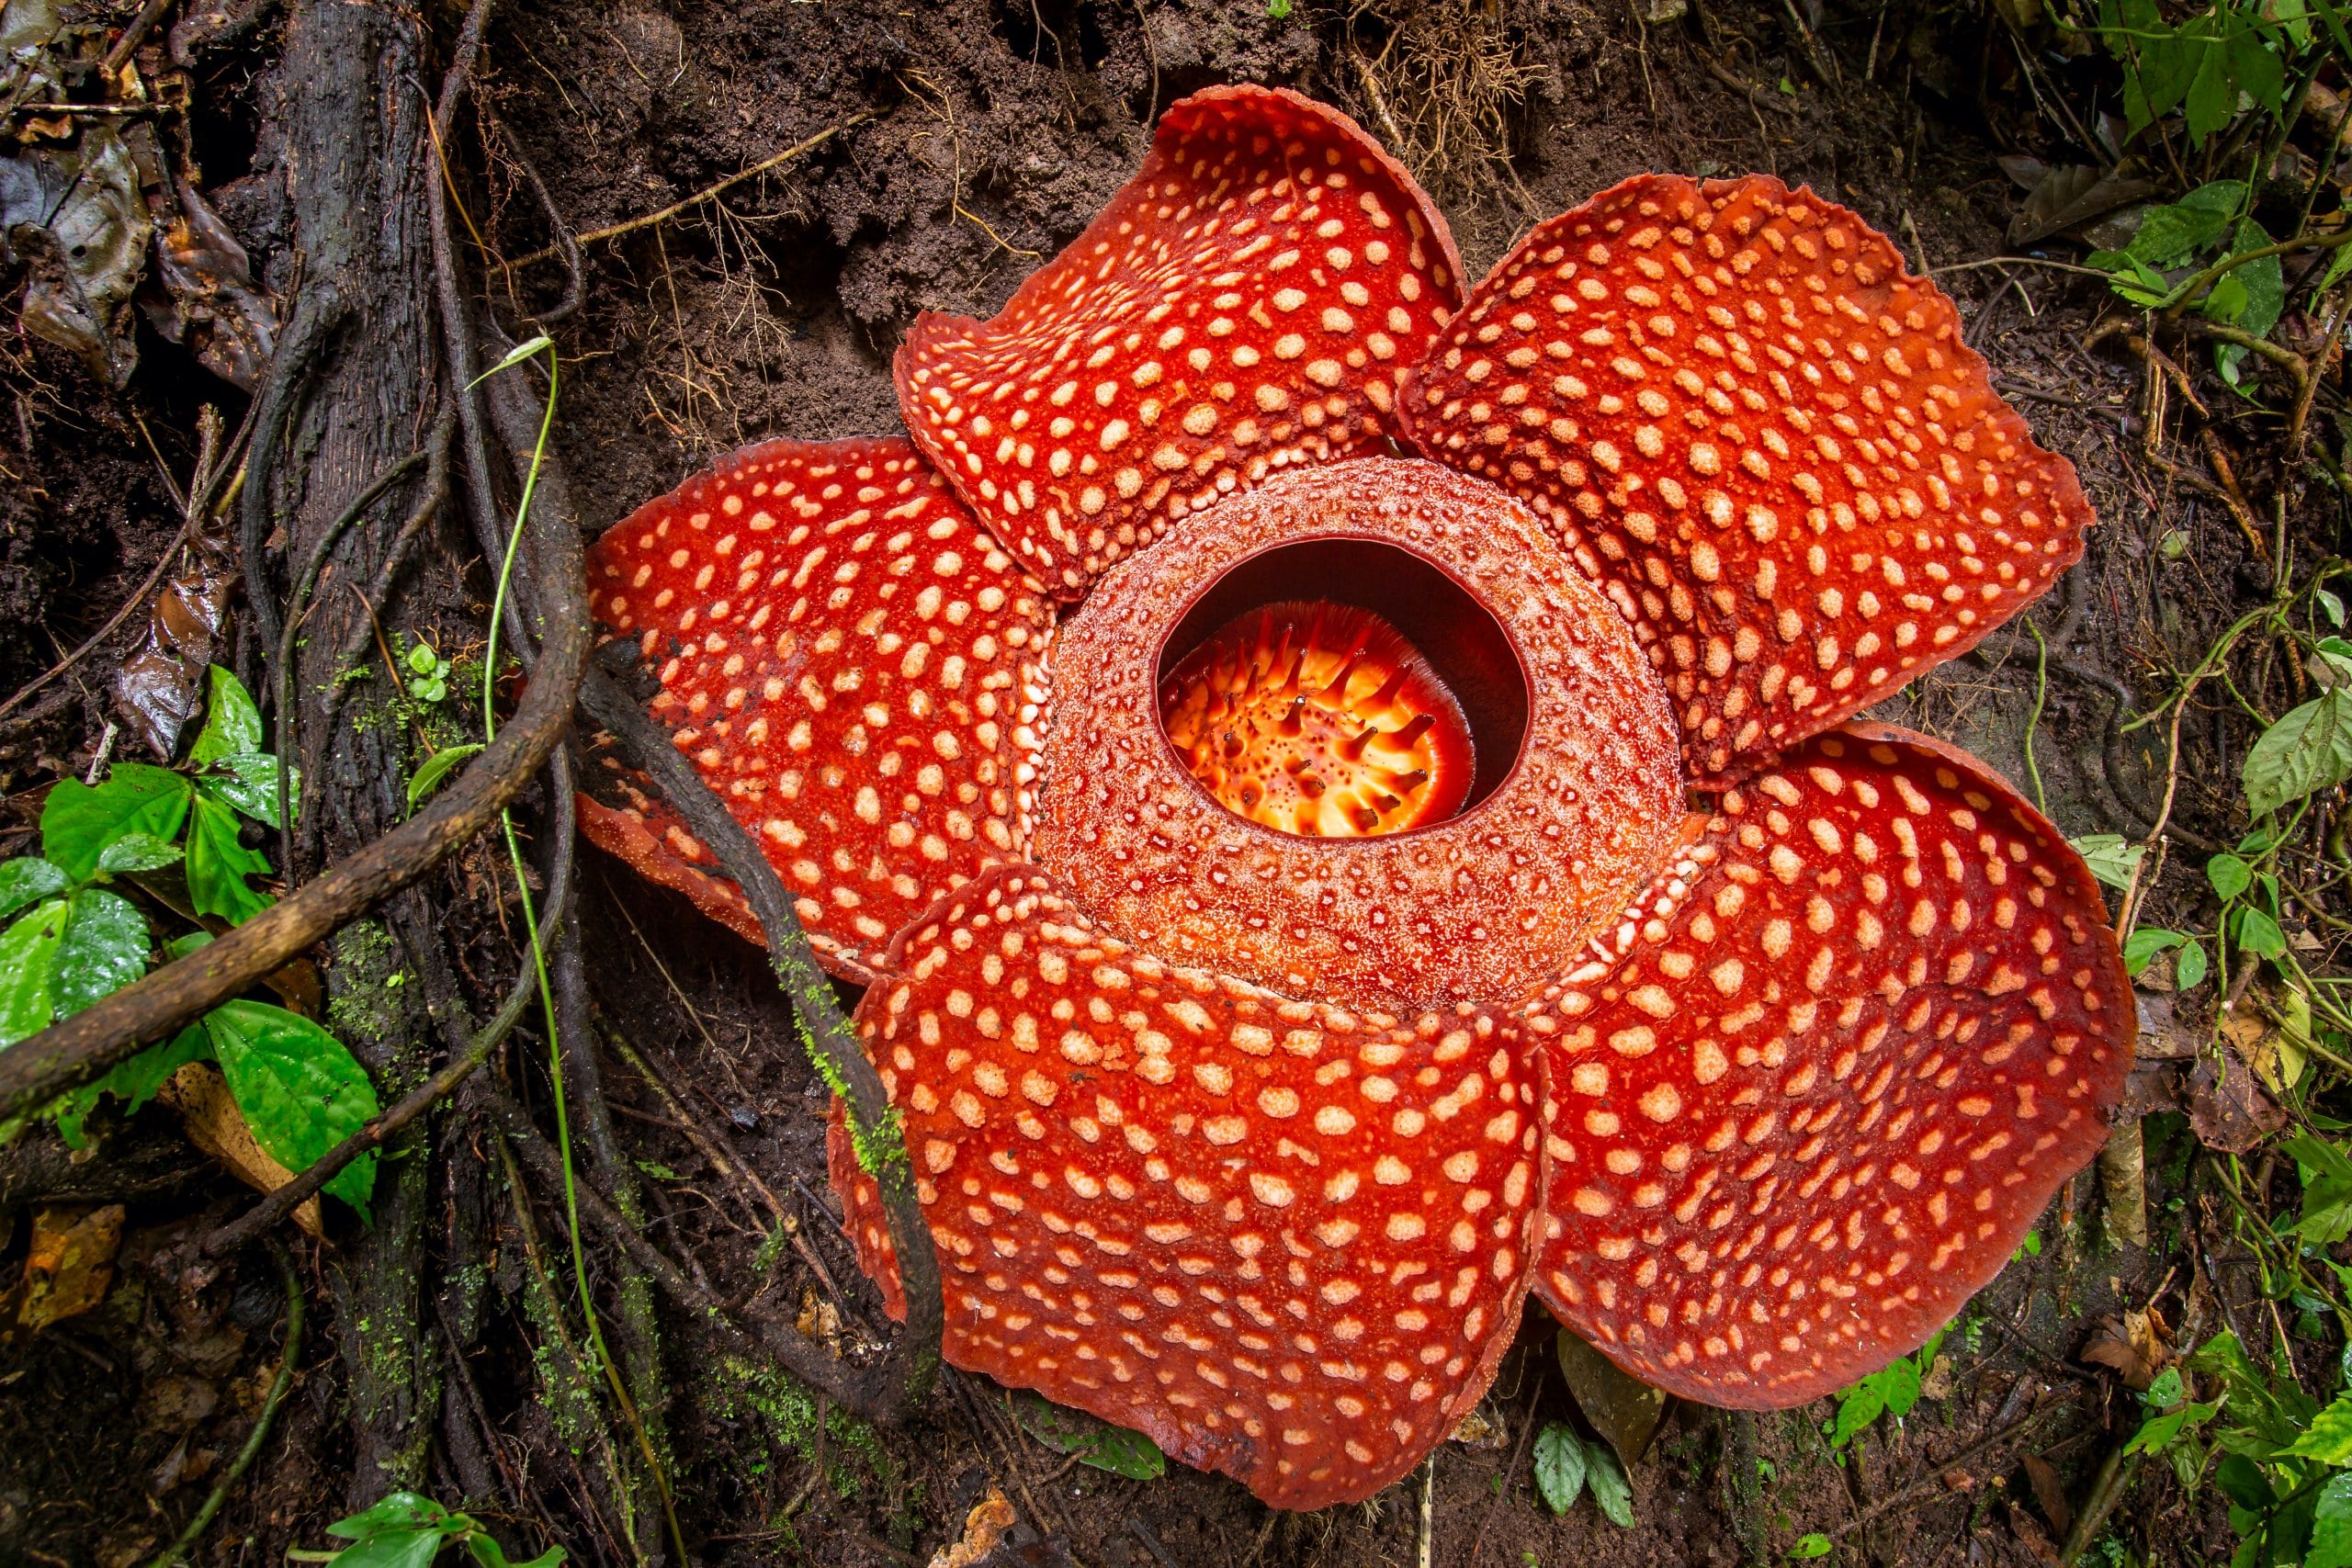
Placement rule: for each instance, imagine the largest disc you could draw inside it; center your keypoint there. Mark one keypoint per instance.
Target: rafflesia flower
(1346, 800)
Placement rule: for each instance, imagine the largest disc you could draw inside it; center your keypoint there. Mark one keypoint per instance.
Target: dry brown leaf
(2048, 1493)
(983, 1528)
(69, 1266)
(160, 686)
(2227, 1109)
(2136, 1346)
(214, 1125)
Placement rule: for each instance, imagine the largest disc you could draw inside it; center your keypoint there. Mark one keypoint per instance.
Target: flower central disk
(1321, 720)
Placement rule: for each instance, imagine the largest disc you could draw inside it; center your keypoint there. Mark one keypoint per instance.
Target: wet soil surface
(961, 145)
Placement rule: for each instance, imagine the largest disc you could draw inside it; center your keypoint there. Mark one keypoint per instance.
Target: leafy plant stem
(280, 1386)
(2194, 289)
(604, 1362)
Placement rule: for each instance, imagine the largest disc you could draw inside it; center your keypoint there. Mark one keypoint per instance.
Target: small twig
(279, 1387)
(2107, 1490)
(1511, 1474)
(133, 35)
(163, 563)
(418, 1100)
(1936, 1468)
(598, 236)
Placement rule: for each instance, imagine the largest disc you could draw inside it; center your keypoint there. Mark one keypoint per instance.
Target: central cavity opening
(1342, 688)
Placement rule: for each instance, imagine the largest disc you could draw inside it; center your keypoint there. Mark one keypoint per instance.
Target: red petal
(1585, 794)
(853, 665)
(1810, 1095)
(1285, 1241)
(655, 843)
(1247, 301)
(1764, 437)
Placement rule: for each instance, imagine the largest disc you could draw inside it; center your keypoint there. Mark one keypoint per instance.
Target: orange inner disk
(1319, 720)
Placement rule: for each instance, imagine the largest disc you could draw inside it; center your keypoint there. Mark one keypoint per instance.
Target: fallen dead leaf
(214, 1125)
(2048, 1493)
(69, 1267)
(1484, 1427)
(1621, 1406)
(159, 687)
(2227, 1108)
(983, 1528)
(2136, 1346)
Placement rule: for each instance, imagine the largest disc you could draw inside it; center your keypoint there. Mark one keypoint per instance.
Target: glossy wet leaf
(1096, 1442)
(393, 1511)
(232, 722)
(74, 219)
(78, 821)
(2328, 1439)
(1559, 1467)
(2145, 942)
(1623, 1409)
(28, 970)
(2189, 969)
(219, 863)
(434, 769)
(103, 950)
(301, 1090)
(248, 781)
(2330, 1544)
(2228, 874)
(27, 879)
(134, 1082)
(135, 852)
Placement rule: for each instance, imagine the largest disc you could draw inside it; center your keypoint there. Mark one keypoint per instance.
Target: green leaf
(2332, 1526)
(134, 1081)
(2166, 1391)
(2336, 267)
(25, 879)
(232, 722)
(136, 853)
(2310, 748)
(2259, 934)
(394, 1548)
(2328, 1439)
(28, 971)
(248, 781)
(436, 768)
(2243, 1482)
(2160, 1432)
(2212, 99)
(218, 865)
(2265, 281)
(2224, 302)
(78, 822)
(2330, 605)
(300, 1091)
(2229, 875)
(1611, 1490)
(515, 355)
(2189, 969)
(1093, 1440)
(1559, 1467)
(393, 1511)
(2327, 1216)
(2170, 236)
(104, 949)
(2110, 856)
(1814, 1545)
(1901, 1379)
(489, 1554)
(2256, 71)
(2141, 948)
